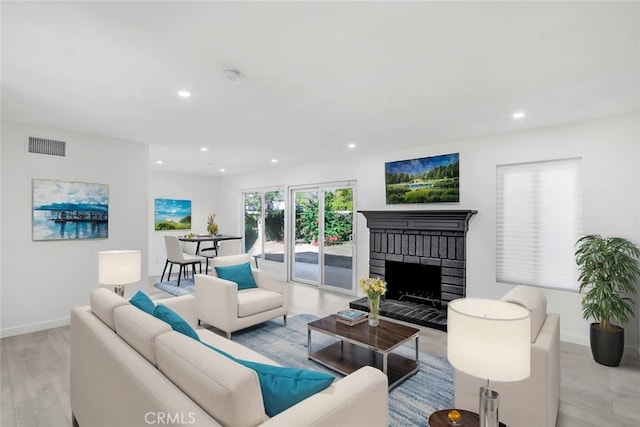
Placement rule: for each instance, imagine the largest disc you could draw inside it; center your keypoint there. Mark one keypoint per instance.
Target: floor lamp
(119, 268)
(489, 339)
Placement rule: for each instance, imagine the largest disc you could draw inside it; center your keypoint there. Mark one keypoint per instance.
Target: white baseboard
(584, 341)
(34, 327)
(575, 339)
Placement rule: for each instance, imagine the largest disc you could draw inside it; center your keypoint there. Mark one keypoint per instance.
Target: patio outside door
(323, 244)
(264, 225)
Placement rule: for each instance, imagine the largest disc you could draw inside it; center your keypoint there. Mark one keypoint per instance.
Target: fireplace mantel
(437, 220)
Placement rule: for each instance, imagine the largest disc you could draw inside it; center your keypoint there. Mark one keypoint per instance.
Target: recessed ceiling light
(222, 169)
(351, 145)
(184, 94)
(158, 162)
(204, 149)
(274, 160)
(518, 115)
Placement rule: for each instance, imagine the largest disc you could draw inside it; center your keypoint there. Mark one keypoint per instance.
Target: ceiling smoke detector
(232, 75)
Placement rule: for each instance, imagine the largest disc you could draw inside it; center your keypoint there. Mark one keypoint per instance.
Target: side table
(469, 419)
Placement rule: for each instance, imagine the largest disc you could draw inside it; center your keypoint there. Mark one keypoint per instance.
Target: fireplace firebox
(419, 283)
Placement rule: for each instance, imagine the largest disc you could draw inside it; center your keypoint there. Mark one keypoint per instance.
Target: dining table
(215, 238)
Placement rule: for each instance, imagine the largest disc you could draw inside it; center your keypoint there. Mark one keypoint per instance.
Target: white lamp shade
(119, 267)
(489, 339)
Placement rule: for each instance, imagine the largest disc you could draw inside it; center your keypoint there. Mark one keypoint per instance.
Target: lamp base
(119, 289)
(489, 401)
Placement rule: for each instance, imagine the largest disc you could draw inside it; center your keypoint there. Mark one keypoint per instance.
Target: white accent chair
(220, 304)
(175, 255)
(532, 402)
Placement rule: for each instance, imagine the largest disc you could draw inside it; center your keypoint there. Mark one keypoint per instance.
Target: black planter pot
(607, 346)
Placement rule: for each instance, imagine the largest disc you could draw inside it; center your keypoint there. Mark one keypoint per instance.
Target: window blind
(539, 219)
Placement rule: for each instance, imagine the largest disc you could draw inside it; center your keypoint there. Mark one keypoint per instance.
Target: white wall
(42, 280)
(610, 149)
(203, 193)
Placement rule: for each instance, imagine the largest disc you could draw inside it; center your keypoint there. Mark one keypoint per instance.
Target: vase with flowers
(212, 227)
(374, 288)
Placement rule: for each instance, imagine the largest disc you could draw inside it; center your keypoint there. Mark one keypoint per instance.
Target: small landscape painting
(172, 214)
(65, 210)
(425, 180)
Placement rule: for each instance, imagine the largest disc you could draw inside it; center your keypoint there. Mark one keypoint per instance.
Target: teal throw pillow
(283, 387)
(240, 274)
(143, 302)
(176, 322)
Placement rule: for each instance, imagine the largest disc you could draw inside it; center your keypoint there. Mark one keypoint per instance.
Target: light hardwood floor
(35, 374)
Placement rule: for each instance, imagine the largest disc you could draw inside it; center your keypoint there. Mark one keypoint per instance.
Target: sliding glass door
(322, 227)
(264, 225)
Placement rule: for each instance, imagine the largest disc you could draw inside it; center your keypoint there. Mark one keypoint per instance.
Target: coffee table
(364, 345)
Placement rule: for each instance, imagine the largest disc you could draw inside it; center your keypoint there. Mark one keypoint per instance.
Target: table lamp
(489, 339)
(119, 268)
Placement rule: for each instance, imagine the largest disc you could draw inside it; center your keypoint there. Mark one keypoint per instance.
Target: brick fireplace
(422, 257)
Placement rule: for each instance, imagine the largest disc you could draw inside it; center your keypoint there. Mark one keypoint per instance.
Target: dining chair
(175, 255)
(229, 247)
(221, 248)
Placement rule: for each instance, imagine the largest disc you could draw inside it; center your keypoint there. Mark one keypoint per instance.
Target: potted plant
(608, 273)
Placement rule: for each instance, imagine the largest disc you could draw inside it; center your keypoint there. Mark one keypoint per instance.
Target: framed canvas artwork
(423, 180)
(172, 214)
(67, 210)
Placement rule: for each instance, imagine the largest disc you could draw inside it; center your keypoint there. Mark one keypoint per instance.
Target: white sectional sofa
(534, 401)
(129, 368)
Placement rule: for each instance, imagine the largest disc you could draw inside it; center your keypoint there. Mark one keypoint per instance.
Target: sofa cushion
(174, 320)
(240, 274)
(258, 300)
(233, 348)
(143, 302)
(103, 303)
(139, 330)
(533, 300)
(226, 390)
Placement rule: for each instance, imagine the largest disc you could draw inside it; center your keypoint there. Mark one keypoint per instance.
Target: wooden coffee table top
(386, 336)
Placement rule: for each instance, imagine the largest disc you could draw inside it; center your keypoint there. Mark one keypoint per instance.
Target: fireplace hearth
(422, 257)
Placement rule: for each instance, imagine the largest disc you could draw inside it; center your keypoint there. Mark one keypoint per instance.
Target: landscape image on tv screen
(425, 180)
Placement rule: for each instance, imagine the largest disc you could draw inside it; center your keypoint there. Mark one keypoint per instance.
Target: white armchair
(220, 304)
(532, 402)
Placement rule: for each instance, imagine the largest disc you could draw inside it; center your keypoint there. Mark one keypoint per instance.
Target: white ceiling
(317, 75)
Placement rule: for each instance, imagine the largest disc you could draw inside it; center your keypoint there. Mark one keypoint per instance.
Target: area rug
(171, 287)
(410, 403)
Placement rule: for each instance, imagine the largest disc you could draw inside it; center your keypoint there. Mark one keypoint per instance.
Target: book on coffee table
(351, 322)
(351, 314)
(351, 317)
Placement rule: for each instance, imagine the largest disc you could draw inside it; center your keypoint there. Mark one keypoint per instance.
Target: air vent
(46, 146)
